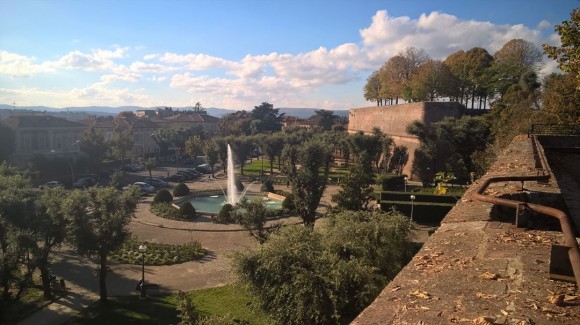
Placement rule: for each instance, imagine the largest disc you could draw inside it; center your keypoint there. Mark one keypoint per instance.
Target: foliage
(355, 187)
(561, 100)
(252, 215)
(226, 214)
(7, 142)
(165, 210)
(391, 182)
(163, 195)
(117, 179)
(193, 147)
(288, 203)
(158, 253)
(268, 186)
(307, 183)
(122, 141)
(186, 310)
(324, 118)
(239, 185)
(303, 275)
(265, 119)
(186, 210)
(94, 144)
(180, 190)
(211, 155)
(148, 164)
(98, 223)
(568, 53)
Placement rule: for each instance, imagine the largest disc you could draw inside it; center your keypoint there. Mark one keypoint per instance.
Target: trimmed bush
(163, 196)
(391, 182)
(187, 210)
(288, 203)
(225, 215)
(405, 196)
(181, 190)
(267, 186)
(239, 185)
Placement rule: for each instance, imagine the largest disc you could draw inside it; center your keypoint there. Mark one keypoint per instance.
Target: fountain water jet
(232, 193)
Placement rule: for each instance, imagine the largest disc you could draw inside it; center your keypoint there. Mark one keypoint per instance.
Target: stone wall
(393, 121)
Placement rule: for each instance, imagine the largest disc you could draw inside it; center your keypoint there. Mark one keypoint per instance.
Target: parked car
(190, 173)
(175, 178)
(133, 168)
(85, 182)
(156, 182)
(195, 172)
(143, 187)
(186, 176)
(52, 184)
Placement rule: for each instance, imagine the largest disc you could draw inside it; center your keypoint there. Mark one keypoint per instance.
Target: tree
(520, 53)
(399, 159)
(123, 141)
(198, 108)
(242, 147)
(433, 80)
(98, 219)
(93, 143)
(193, 147)
(252, 215)
(561, 100)
(17, 212)
(355, 186)
(265, 119)
(307, 183)
(326, 275)
(211, 155)
(372, 89)
(568, 53)
(148, 164)
(324, 119)
(7, 142)
(272, 146)
(49, 226)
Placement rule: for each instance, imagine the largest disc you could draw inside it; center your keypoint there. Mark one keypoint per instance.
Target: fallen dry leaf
(483, 320)
(556, 299)
(396, 288)
(569, 298)
(484, 295)
(420, 294)
(489, 276)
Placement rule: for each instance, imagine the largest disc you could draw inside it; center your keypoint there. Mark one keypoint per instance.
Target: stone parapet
(478, 267)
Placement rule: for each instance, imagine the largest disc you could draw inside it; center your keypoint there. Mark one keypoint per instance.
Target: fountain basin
(212, 203)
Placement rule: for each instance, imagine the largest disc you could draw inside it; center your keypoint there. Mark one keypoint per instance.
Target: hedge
(391, 182)
(422, 212)
(406, 196)
(181, 190)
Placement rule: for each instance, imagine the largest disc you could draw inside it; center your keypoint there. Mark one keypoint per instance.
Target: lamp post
(143, 249)
(406, 178)
(412, 205)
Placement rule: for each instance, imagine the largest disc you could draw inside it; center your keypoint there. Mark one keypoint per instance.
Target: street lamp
(412, 205)
(406, 178)
(143, 249)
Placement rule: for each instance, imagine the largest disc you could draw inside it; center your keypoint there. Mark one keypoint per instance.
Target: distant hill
(74, 112)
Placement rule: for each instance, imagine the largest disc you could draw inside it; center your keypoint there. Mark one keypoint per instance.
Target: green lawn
(228, 300)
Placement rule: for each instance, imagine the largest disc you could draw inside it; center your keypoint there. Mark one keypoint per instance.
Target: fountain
(213, 203)
(232, 193)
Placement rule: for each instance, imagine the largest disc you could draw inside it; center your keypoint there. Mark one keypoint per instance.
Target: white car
(143, 187)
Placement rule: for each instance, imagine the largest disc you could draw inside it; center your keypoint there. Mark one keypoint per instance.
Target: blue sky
(237, 54)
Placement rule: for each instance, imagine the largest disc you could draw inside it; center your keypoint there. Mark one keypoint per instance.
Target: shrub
(391, 182)
(187, 210)
(268, 186)
(225, 215)
(181, 190)
(288, 203)
(239, 185)
(163, 196)
(164, 210)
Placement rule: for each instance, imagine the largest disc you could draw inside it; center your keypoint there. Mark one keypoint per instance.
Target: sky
(236, 54)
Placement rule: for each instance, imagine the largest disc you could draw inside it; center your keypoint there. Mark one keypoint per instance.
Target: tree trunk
(45, 281)
(103, 277)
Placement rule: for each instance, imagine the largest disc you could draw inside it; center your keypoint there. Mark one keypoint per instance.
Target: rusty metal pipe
(569, 238)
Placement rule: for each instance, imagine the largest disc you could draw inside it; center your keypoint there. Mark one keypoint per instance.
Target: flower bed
(159, 254)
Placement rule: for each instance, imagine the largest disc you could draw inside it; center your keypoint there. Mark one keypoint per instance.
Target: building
(39, 134)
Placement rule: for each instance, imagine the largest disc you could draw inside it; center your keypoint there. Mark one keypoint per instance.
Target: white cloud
(544, 24)
(150, 57)
(16, 65)
(143, 67)
(195, 61)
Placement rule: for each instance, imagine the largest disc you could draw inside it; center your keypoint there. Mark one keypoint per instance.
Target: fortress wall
(393, 121)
